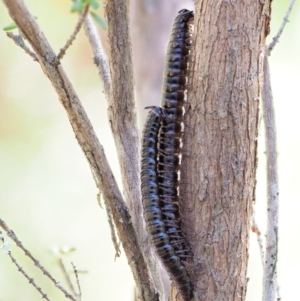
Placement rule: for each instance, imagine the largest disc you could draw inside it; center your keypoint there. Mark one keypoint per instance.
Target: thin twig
(113, 234)
(31, 280)
(63, 50)
(13, 236)
(100, 59)
(66, 275)
(270, 285)
(285, 20)
(269, 277)
(20, 42)
(77, 281)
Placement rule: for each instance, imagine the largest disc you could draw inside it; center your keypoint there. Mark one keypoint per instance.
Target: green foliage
(99, 20)
(79, 5)
(10, 27)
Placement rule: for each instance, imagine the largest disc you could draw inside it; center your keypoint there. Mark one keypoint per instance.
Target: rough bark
(219, 157)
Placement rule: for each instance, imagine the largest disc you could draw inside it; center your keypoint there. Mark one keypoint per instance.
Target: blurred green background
(48, 196)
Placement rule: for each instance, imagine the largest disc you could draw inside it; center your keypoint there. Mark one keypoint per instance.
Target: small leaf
(94, 4)
(77, 6)
(10, 27)
(99, 20)
(65, 250)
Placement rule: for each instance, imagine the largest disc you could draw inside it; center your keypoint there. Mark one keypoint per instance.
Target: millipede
(154, 209)
(161, 151)
(169, 150)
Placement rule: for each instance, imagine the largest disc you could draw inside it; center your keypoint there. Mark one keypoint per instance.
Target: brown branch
(269, 277)
(66, 275)
(278, 35)
(122, 110)
(270, 285)
(69, 42)
(89, 143)
(20, 42)
(99, 55)
(31, 280)
(123, 122)
(13, 236)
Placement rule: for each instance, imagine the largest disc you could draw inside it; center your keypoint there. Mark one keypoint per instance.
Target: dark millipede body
(169, 149)
(162, 230)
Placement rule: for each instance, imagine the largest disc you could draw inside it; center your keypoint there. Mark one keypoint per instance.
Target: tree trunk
(219, 143)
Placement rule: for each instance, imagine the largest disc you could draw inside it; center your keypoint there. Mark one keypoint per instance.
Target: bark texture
(219, 143)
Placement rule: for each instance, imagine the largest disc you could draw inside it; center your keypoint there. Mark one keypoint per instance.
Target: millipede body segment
(153, 208)
(161, 152)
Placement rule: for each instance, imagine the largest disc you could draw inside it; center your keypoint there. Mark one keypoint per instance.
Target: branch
(31, 280)
(20, 42)
(66, 275)
(62, 51)
(285, 20)
(121, 106)
(122, 116)
(77, 281)
(89, 143)
(13, 236)
(99, 55)
(269, 277)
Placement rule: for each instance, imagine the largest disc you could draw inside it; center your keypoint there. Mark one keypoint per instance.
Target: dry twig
(63, 50)
(31, 280)
(77, 281)
(99, 55)
(13, 236)
(66, 275)
(20, 42)
(270, 285)
(269, 280)
(285, 20)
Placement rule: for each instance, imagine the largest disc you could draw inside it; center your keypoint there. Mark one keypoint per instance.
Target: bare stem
(269, 277)
(13, 236)
(31, 280)
(20, 42)
(62, 51)
(285, 20)
(270, 285)
(66, 275)
(99, 55)
(77, 281)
